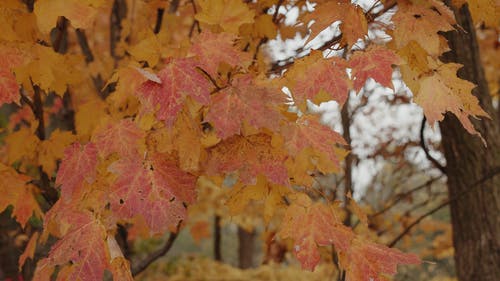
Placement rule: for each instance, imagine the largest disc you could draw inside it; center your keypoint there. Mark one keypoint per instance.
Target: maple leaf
(228, 14)
(369, 261)
(51, 150)
(353, 26)
(249, 156)
(156, 190)
(179, 79)
(444, 91)
(310, 76)
(22, 144)
(200, 230)
(375, 62)
(487, 11)
(420, 24)
(148, 49)
(80, 13)
(187, 140)
(78, 164)
(308, 132)
(241, 195)
(311, 225)
(49, 70)
(119, 266)
(245, 101)
(9, 89)
(82, 250)
(123, 137)
(18, 192)
(212, 49)
(29, 251)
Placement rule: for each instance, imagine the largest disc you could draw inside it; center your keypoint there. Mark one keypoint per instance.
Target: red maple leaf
(78, 164)
(369, 261)
(307, 132)
(179, 78)
(82, 249)
(249, 156)
(155, 189)
(9, 89)
(310, 75)
(314, 224)
(245, 101)
(212, 49)
(122, 138)
(375, 62)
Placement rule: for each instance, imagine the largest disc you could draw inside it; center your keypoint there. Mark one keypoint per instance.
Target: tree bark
(246, 241)
(474, 213)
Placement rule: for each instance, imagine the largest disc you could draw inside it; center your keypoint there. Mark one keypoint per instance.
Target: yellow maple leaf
(49, 70)
(22, 144)
(16, 191)
(52, 150)
(81, 13)
(228, 14)
(148, 49)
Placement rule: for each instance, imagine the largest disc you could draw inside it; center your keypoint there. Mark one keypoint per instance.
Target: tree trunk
(246, 241)
(475, 208)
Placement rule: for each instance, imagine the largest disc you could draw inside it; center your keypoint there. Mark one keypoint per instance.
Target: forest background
(202, 130)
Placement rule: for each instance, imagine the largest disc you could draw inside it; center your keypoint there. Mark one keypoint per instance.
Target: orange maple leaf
(249, 156)
(18, 192)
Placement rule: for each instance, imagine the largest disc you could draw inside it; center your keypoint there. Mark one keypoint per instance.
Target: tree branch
(401, 196)
(159, 20)
(48, 192)
(118, 13)
(217, 238)
(142, 265)
(281, 65)
(89, 57)
(472, 187)
(426, 151)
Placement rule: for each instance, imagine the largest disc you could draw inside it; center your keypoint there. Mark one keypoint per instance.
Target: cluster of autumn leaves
(192, 103)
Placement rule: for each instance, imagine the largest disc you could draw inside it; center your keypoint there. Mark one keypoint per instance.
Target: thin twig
(196, 23)
(404, 195)
(276, 11)
(495, 171)
(426, 151)
(281, 65)
(142, 265)
(212, 80)
(159, 20)
(84, 45)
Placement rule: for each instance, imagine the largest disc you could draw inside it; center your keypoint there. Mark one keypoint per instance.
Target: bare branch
(142, 265)
(426, 151)
(401, 196)
(495, 171)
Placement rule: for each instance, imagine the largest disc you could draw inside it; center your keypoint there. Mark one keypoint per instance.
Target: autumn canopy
(123, 120)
